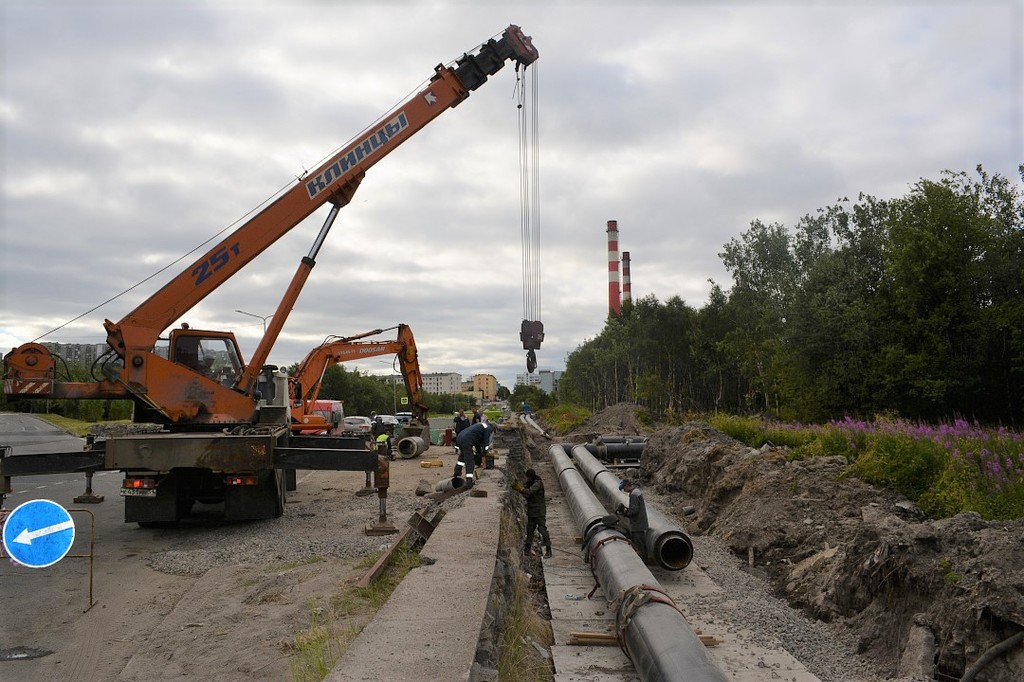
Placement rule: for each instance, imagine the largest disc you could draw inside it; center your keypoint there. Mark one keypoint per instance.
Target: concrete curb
(430, 627)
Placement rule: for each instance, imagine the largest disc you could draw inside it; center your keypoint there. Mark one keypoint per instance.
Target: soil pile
(925, 598)
(622, 419)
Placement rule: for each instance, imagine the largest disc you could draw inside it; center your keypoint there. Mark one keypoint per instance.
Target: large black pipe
(586, 510)
(619, 439)
(654, 633)
(610, 451)
(666, 541)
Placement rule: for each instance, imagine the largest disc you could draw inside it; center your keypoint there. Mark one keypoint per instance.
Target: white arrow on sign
(27, 536)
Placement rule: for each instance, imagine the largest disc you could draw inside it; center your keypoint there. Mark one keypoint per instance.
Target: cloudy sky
(133, 132)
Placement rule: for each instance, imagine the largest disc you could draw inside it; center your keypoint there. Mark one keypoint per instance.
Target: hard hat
(624, 482)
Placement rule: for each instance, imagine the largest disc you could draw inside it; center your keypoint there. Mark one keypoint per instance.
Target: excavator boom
(308, 377)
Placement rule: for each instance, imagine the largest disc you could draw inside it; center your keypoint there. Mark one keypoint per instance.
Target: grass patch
(76, 427)
(564, 418)
(522, 625)
(519, 660)
(317, 648)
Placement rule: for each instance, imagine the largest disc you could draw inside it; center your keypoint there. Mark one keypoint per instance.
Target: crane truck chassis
(229, 440)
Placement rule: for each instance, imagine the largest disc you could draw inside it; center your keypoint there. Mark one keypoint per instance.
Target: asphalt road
(49, 629)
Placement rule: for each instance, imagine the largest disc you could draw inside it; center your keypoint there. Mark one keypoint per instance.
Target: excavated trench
(920, 598)
(515, 636)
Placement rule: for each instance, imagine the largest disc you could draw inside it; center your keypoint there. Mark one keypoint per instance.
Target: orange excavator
(305, 383)
(225, 424)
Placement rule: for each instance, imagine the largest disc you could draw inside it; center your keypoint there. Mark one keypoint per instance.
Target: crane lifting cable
(531, 332)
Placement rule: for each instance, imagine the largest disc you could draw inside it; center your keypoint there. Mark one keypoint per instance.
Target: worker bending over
(536, 511)
(477, 435)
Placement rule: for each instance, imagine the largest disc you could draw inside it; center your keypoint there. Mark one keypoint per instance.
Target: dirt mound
(925, 598)
(622, 419)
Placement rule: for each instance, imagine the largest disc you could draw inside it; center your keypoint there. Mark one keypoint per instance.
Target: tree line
(911, 306)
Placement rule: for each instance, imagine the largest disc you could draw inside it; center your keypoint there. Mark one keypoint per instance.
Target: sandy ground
(237, 598)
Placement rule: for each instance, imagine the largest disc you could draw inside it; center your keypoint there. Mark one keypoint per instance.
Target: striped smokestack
(613, 267)
(627, 294)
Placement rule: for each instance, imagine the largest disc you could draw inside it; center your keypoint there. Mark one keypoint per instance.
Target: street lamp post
(258, 317)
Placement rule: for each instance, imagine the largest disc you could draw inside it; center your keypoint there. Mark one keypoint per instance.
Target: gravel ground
(745, 603)
(324, 524)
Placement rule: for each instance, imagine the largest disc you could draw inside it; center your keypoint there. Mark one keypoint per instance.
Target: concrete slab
(430, 627)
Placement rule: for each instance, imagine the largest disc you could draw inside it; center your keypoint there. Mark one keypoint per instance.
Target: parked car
(359, 426)
(404, 417)
(388, 419)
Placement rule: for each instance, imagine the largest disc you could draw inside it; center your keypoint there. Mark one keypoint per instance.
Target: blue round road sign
(38, 533)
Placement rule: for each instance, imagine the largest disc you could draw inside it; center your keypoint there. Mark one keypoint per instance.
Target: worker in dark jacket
(536, 511)
(461, 422)
(636, 514)
(477, 435)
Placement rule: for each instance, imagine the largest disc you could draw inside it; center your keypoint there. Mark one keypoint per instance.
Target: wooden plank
(382, 562)
(609, 639)
(417, 525)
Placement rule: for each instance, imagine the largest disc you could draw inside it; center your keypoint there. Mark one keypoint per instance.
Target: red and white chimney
(613, 267)
(627, 294)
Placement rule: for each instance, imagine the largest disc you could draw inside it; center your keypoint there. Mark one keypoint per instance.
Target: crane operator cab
(213, 354)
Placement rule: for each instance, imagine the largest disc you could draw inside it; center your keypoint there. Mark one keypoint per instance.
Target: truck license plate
(138, 492)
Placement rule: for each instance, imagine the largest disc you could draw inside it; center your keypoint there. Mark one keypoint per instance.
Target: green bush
(944, 469)
(970, 483)
(744, 429)
(902, 463)
(564, 417)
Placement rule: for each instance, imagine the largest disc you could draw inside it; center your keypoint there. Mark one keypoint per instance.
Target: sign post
(38, 533)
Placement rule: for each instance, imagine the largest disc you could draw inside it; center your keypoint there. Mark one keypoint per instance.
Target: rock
(918, 655)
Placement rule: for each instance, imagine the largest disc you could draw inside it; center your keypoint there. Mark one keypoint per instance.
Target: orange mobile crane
(225, 432)
(305, 383)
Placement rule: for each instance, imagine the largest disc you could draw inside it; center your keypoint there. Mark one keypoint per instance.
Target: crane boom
(334, 181)
(226, 433)
(174, 389)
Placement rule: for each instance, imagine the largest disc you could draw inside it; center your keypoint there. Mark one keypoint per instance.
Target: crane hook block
(531, 333)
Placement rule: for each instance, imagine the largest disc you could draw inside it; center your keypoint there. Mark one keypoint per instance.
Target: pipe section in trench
(653, 632)
(666, 541)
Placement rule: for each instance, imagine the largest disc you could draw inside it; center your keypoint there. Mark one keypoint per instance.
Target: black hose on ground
(993, 653)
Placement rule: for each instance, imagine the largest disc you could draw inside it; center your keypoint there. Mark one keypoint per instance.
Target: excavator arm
(306, 382)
